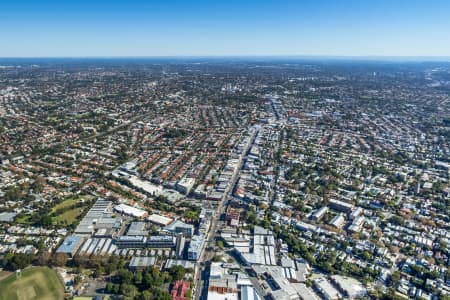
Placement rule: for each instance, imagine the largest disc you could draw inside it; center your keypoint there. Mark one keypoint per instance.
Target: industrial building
(327, 291)
(131, 211)
(187, 264)
(159, 220)
(137, 228)
(70, 245)
(263, 250)
(249, 293)
(99, 217)
(141, 262)
(349, 287)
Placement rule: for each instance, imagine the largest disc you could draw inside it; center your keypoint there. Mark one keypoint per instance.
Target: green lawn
(69, 216)
(70, 202)
(40, 283)
(64, 204)
(25, 219)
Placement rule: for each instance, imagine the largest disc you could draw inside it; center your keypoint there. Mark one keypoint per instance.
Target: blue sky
(37, 28)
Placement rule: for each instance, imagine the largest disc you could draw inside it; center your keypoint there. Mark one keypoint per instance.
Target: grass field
(69, 216)
(23, 220)
(33, 284)
(4, 274)
(64, 204)
(70, 202)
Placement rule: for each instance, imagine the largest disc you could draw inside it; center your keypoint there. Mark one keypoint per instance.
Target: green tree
(395, 278)
(126, 276)
(177, 272)
(60, 259)
(146, 295)
(138, 277)
(13, 262)
(128, 290)
(163, 295)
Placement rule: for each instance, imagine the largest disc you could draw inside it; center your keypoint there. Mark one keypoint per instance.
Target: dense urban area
(225, 179)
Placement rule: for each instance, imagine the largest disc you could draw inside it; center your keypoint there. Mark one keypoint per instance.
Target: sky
(81, 28)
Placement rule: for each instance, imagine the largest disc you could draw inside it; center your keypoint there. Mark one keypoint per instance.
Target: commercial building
(161, 241)
(185, 185)
(195, 247)
(180, 227)
(123, 242)
(180, 245)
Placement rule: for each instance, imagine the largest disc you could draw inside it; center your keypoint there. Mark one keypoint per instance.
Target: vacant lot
(33, 284)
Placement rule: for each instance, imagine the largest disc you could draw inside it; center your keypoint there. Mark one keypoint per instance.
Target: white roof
(212, 295)
(130, 210)
(158, 219)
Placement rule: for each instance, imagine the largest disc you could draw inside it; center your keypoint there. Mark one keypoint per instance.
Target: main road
(207, 253)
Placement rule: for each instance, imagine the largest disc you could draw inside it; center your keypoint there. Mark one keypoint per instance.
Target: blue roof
(69, 244)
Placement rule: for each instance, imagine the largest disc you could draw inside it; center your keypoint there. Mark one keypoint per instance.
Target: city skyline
(201, 28)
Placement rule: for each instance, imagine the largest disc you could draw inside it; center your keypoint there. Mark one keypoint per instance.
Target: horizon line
(388, 58)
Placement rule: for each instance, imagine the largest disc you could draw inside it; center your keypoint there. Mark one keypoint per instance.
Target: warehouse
(159, 220)
(131, 211)
(70, 245)
(141, 262)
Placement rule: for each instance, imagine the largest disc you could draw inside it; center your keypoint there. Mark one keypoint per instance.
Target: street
(202, 273)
